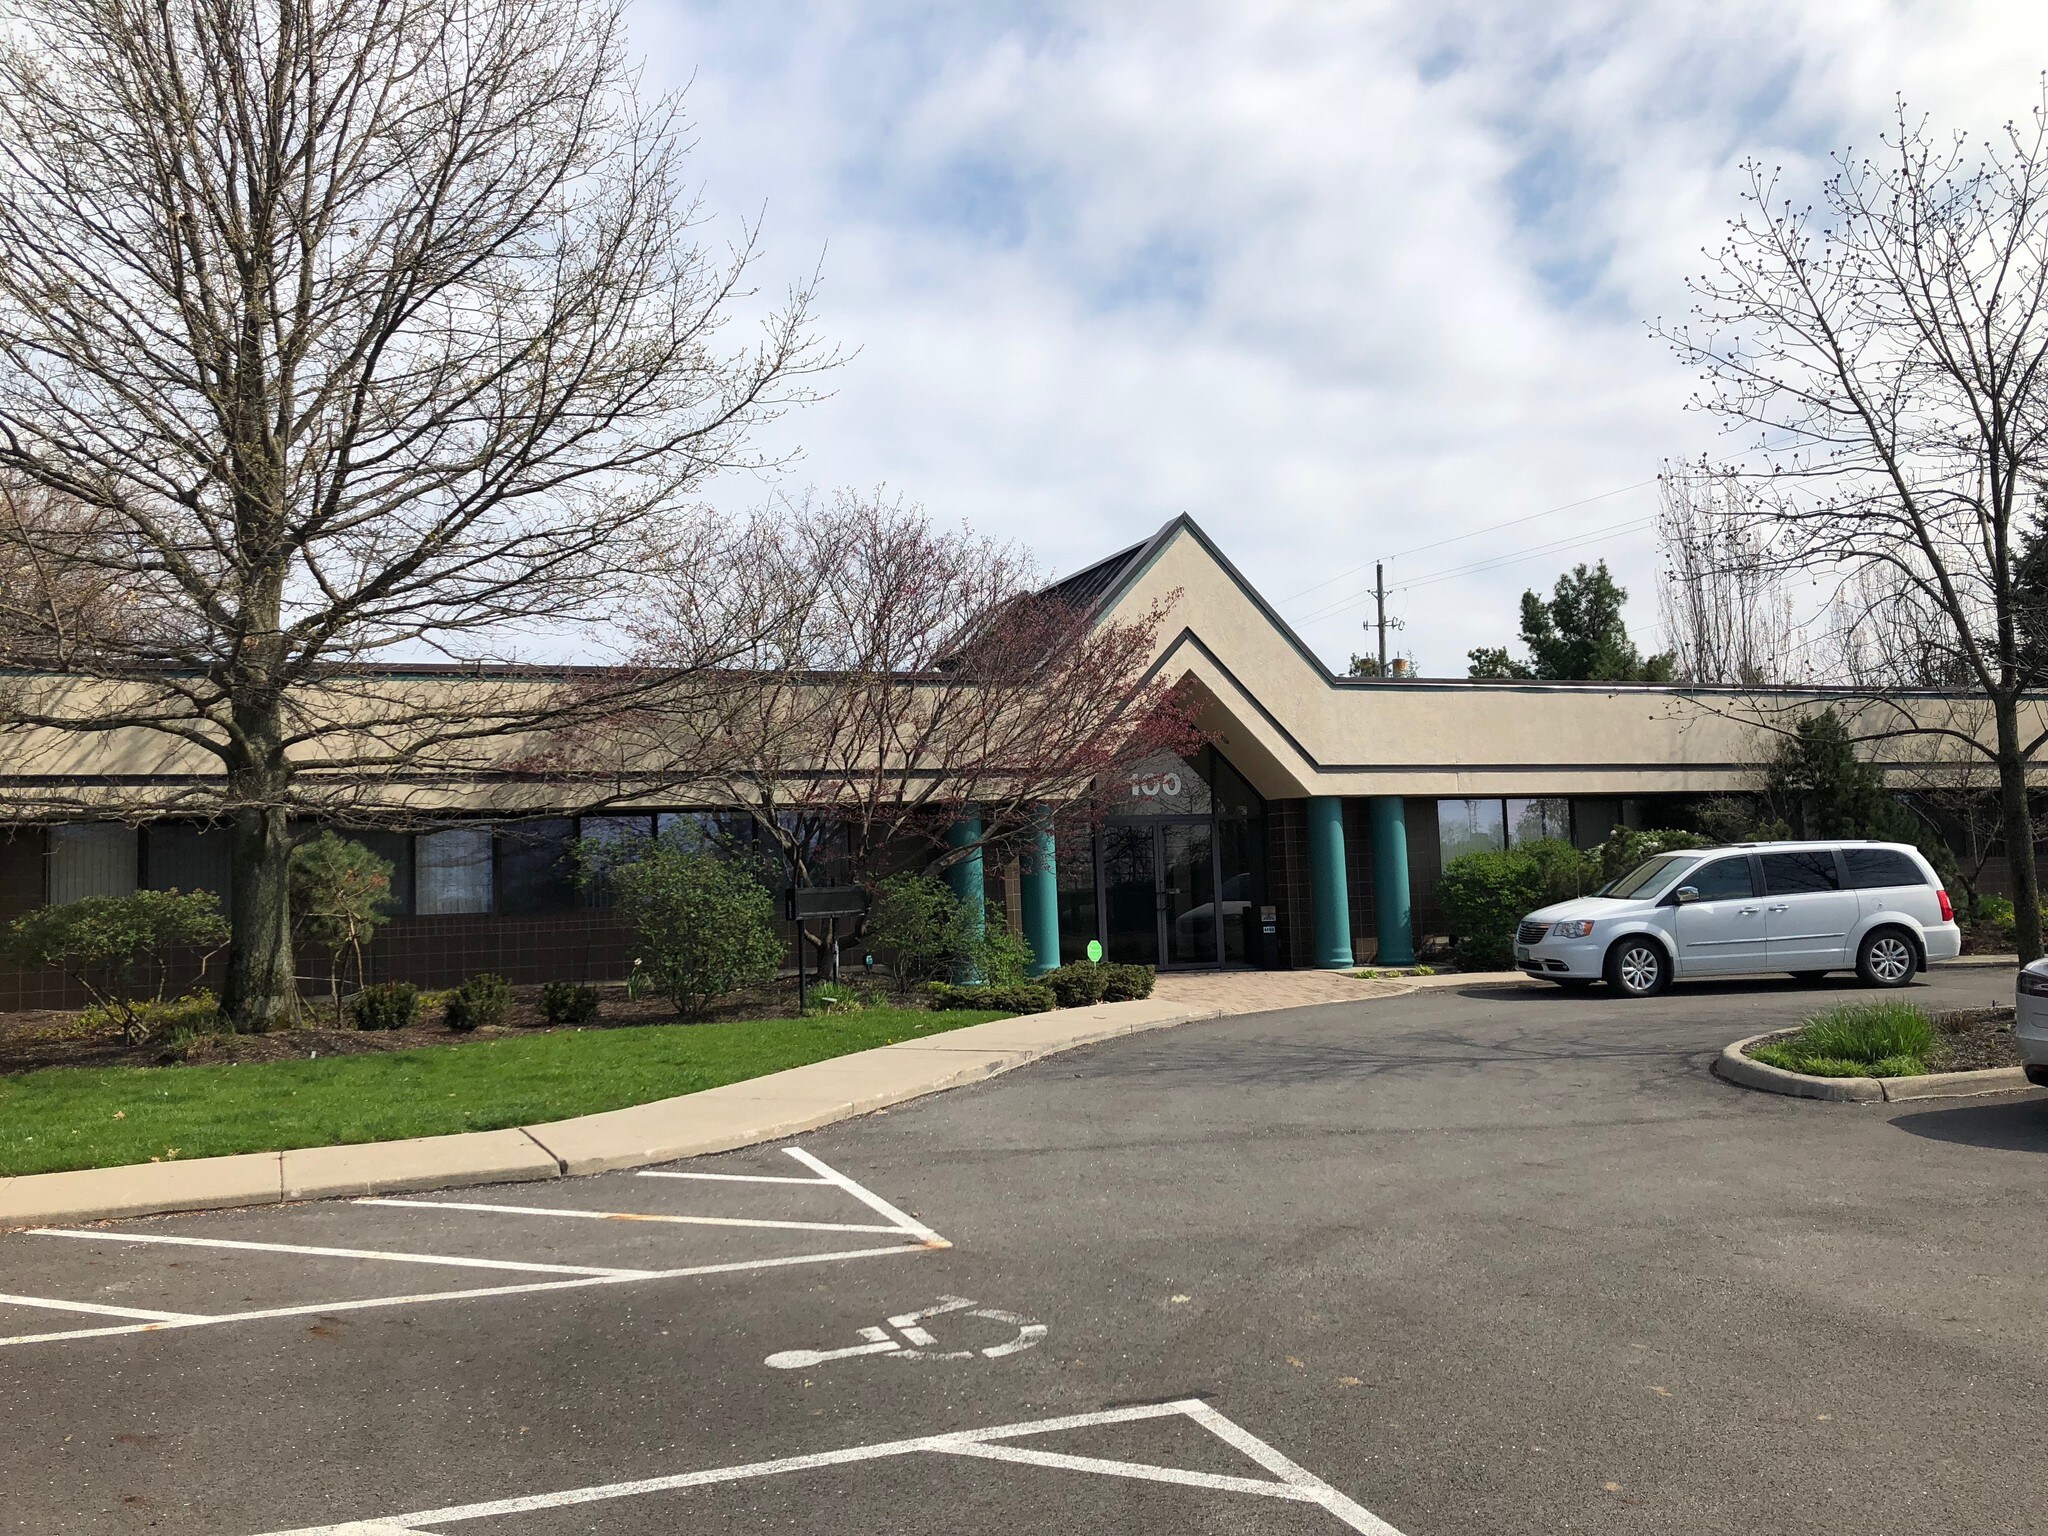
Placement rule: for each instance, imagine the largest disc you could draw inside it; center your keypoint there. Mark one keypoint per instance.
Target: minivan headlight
(2034, 983)
(1582, 928)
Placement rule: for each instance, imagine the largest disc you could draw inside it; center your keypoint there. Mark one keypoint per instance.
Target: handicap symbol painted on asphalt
(912, 1342)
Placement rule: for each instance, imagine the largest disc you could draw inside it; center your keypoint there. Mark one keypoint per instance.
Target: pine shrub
(386, 1005)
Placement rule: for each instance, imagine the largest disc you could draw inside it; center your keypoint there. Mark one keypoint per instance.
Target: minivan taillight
(1948, 908)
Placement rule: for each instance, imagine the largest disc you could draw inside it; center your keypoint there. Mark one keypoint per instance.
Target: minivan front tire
(1887, 958)
(1638, 967)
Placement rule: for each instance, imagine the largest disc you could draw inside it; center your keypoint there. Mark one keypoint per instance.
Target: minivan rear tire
(1887, 957)
(1638, 967)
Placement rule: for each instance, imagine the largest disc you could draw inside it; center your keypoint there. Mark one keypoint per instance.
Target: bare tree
(917, 671)
(1724, 604)
(1884, 356)
(360, 330)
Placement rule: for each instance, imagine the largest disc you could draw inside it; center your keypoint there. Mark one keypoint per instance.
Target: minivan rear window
(1870, 868)
(1791, 874)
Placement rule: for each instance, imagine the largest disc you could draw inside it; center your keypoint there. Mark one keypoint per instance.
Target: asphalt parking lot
(1488, 1260)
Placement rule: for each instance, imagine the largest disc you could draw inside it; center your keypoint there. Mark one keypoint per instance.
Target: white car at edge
(2031, 1006)
(1805, 908)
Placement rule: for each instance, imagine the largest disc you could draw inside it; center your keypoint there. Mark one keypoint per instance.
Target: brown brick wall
(1287, 884)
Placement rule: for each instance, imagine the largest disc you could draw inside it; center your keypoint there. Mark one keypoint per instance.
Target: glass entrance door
(1130, 893)
(1187, 893)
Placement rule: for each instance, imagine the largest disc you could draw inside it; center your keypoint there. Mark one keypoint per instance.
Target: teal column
(1329, 890)
(1390, 900)
(1041, 894)
(965, 877)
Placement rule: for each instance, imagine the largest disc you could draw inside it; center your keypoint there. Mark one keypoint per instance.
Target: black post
(801, 1005)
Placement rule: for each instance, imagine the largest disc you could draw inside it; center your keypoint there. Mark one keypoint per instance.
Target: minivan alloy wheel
(1888, 959)
(1637, 968)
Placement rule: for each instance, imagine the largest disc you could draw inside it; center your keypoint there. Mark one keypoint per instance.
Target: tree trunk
(2016, 824)
(262, 990)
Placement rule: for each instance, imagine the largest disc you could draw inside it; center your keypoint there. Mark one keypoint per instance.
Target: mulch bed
(1966, 1040)
(54, 1038)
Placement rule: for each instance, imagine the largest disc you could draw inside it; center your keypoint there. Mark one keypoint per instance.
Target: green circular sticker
(1095, 950)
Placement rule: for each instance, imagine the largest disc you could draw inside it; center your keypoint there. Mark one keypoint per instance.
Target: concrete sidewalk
(715, 1120)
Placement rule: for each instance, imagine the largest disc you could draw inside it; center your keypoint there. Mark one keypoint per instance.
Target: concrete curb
(1739, 1068)
(714, 1120)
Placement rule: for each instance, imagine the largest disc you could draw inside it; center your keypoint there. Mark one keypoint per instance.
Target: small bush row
(1070, 986)
(483, 999)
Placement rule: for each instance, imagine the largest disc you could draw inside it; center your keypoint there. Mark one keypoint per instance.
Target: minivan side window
(1871, 868)
(1723, 879)
(1794, 874)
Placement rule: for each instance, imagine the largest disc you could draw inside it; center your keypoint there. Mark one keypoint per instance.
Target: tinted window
(1872, 867)
(1722, 879)
(1789, 874)
(1647, 877)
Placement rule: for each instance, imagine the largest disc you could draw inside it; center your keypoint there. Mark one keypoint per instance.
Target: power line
(1455, 538)
(1496, 562)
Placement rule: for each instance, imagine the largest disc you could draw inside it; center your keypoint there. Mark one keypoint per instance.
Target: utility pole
(1379, 592)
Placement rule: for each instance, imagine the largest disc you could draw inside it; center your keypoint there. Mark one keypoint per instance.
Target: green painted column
(965, 877)
(1041, 894)
(1390, 899)
(1329, 890)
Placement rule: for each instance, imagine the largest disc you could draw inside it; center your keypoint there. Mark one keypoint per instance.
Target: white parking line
(681, 1221)
(1291, 1482)
(452, 1260)
(314, 1309)
(98, 1309)
(913, 1236)
(904, 1221)
(728, 1178)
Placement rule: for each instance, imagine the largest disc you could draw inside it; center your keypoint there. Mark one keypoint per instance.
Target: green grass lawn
(84, 1117)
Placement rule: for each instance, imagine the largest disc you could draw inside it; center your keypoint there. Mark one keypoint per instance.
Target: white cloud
(1339, 281)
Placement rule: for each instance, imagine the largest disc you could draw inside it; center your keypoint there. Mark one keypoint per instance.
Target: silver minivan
(1805, 908)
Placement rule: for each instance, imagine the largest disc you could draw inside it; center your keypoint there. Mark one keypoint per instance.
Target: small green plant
(340, 894)
(1023, 997)
(1423, 970)
(1076, 985)
(118, 949)
(835, 997)
(568, 1002)
(483, 999)
(1127, 983)
(1870, 1039)
(195, 1013)
(706, 926)
(386, 1005)
(639, 981)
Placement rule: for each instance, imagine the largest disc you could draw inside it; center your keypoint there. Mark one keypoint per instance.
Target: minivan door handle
(1781, 909)
(1749, 911)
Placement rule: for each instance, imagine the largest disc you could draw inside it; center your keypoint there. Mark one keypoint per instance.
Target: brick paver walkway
(1263, 991)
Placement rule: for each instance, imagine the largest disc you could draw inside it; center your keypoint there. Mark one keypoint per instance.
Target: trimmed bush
(117, 948)
(1485, 895)
(1023, 997)
(483, 999)
(706, 926)
(1127, 983)
(1076, 985)
(387, 1005)
(568, 1002)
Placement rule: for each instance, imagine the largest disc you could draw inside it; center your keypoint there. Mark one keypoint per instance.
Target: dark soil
(1965, 1040)
(56, 1038)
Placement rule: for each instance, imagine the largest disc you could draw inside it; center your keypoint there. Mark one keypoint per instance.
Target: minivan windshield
(1647, 875)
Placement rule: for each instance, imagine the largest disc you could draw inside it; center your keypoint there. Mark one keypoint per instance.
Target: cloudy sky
(1345, 281)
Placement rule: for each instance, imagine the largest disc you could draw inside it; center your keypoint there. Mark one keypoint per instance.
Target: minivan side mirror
(1685, 893)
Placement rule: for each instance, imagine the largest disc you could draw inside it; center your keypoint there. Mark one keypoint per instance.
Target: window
(1723, 879)
(1469, 826)
(1794, 874)
(452, 871)
(1165, 785)
(1531, 820)
(1593, 819)
(1873, 868)
(535, 873)
(1649, 877)
(188, 858)
(91, 859)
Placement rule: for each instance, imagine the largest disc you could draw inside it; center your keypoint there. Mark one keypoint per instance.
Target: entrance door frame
(1157, 825)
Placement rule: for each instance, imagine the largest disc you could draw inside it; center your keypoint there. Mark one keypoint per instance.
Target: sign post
(803, 902)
